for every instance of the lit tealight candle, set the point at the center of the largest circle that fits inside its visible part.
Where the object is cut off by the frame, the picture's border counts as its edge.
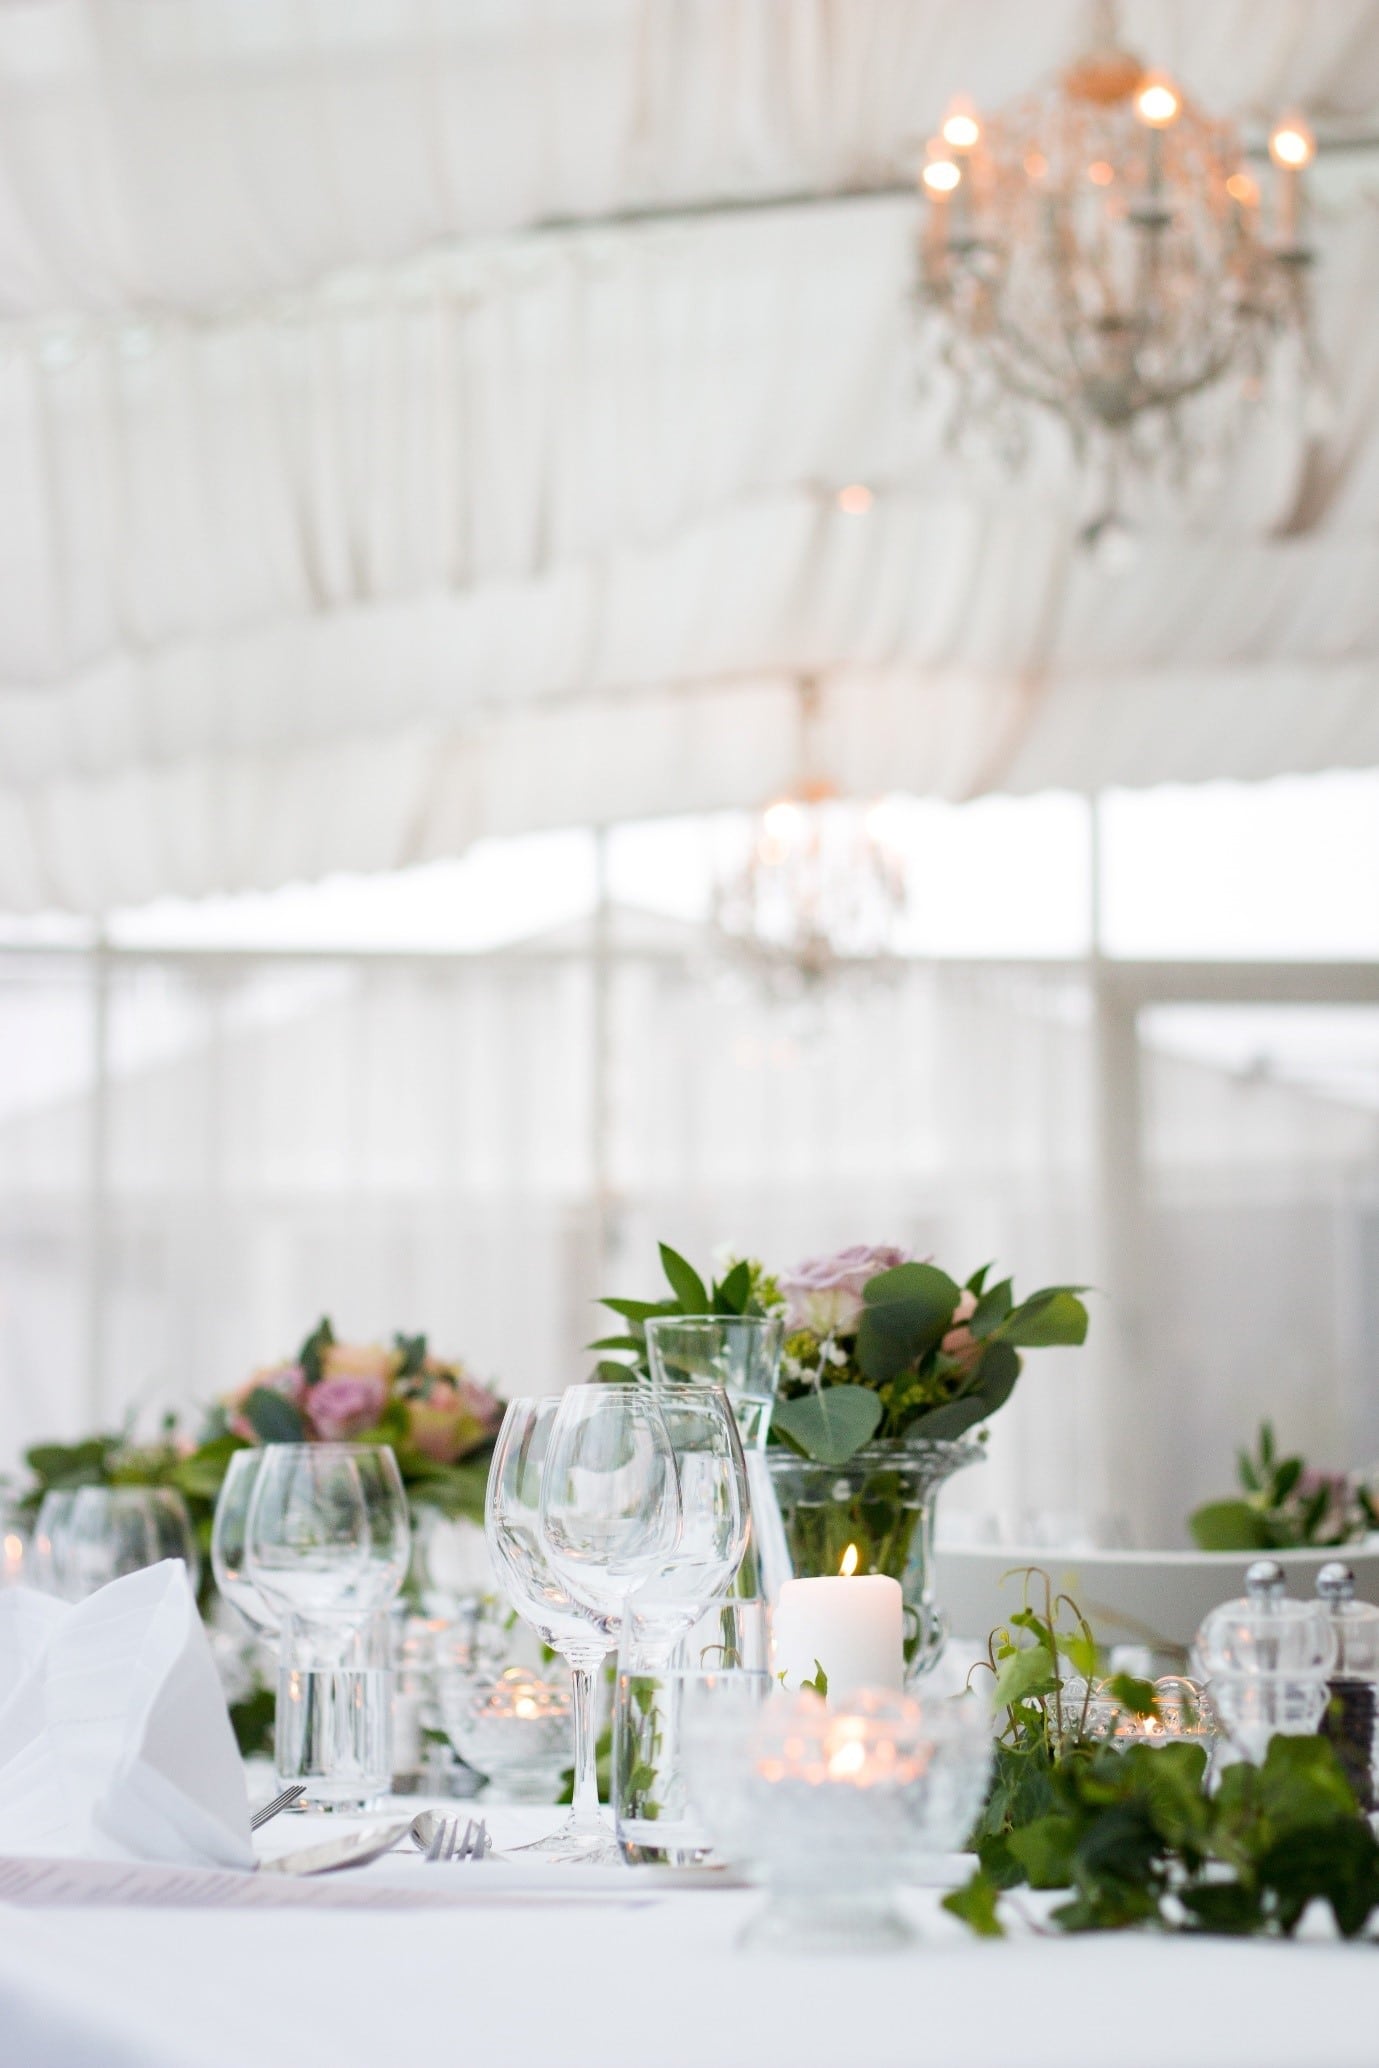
(853, 1626)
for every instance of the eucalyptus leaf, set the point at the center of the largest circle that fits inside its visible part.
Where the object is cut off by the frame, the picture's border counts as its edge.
(1054, 1316)
(830, 1426)
(272, 1417)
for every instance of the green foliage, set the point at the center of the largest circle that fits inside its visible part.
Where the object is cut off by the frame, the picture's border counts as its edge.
(895, 1354)
(252, 1720)
(1132, 1831)
(830, 1426)
(819, 1684)
(1283, 1505)
(745, 1289)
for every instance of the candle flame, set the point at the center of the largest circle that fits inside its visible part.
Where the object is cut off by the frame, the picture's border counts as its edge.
(849, 1564)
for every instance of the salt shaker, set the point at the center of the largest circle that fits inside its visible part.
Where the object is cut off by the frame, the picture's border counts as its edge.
(1353, 1710)
(1267, 1661)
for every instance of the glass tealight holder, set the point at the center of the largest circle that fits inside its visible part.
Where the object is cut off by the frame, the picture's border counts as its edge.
(514, 1729)
(839, 1804)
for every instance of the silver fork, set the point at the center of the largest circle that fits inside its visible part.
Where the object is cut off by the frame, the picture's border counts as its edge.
(279, 1802)
(447, 1843)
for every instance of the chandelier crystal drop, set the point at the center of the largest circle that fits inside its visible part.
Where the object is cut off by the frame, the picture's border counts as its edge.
(1096, 252)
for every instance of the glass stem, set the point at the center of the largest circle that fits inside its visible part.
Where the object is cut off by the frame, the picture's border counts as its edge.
(584, 1813)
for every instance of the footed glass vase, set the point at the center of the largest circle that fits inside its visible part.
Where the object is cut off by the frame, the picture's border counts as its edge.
(882, 1502)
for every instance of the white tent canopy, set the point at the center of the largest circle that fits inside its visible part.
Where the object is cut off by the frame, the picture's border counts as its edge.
(353, 507)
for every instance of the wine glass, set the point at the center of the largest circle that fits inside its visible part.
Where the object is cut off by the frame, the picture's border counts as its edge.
(714, 1520)
(327, 1535)
(113, 1530)
(610, 1505)
(48, 1545)
(228, 1556)
(583, 1637)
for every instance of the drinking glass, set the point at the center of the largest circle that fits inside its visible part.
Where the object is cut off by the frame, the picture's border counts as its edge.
(740, 1353)
(678, 1725)
(333, 1727)
(582, 1636)
(228, 1541)
(610, 1507)
(703, 1562)
(112, 1530)
(327, 1537)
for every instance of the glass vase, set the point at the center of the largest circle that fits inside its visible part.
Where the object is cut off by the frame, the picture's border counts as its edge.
(881, 1501)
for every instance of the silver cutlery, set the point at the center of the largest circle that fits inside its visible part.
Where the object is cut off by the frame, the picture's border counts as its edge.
(279, 1802)
(440, 1838)
(355, 1851)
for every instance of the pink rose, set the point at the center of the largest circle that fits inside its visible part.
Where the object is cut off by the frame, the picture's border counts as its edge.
(824, 1294)
(453, 1417)
(343, 1405)
(960, 1341)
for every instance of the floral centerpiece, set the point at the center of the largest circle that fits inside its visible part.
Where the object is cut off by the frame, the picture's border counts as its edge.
(1285, 1503)
(440, 1421)
(888, 1369)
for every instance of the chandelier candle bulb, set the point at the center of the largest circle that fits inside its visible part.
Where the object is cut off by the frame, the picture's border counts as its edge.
(1292, 148)
(852, 1626)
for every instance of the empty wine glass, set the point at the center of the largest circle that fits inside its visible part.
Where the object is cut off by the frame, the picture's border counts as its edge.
(610, 1507)
(703, 1561)
(583, 1637)
(327, 1536)
(48, 1545)
(228, 1530)
(112, 1530)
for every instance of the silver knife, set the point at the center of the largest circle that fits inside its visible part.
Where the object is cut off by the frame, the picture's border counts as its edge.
(355, 1851)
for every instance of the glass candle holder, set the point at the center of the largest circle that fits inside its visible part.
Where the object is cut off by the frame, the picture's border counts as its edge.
(514, 1729)
(839, 1803)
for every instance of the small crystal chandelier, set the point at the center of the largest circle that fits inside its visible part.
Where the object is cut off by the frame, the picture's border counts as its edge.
(1095, 251)
(822, 889)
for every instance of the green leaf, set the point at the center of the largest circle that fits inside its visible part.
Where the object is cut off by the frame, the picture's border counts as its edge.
(1025, 1673)
(1136, 1695)
(907, 1311)
(995, 1382)
(1230, 1526)
(608, 1372)
(832, 1425)
(640, 1310)
(992, 1309)
(1045, 1849)
(1266, 1444)
(976, 1283)
(1083, 1654)
(273, 1418)
(1286, 1477)
(732, 1295)
(975, 1903)
(1055, 1315)
(819, 1684)
(685, 1282)
(633, 1343)
(311, 1354)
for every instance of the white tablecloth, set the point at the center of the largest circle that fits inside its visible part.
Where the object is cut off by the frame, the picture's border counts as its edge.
(658, 1984)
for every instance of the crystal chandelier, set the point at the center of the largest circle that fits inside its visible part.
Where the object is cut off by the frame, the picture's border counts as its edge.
(822, 889)
(1096, 251)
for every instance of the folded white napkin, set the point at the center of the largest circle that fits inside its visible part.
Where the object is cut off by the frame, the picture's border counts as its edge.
(115, 1742)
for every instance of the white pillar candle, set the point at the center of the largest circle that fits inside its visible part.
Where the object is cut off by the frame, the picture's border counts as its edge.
(853, 1628)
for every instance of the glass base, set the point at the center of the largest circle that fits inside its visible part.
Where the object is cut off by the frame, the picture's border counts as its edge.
(815, 1922)
(574, 1845)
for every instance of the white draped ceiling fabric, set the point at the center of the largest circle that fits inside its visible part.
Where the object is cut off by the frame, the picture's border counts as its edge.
(384, 461)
